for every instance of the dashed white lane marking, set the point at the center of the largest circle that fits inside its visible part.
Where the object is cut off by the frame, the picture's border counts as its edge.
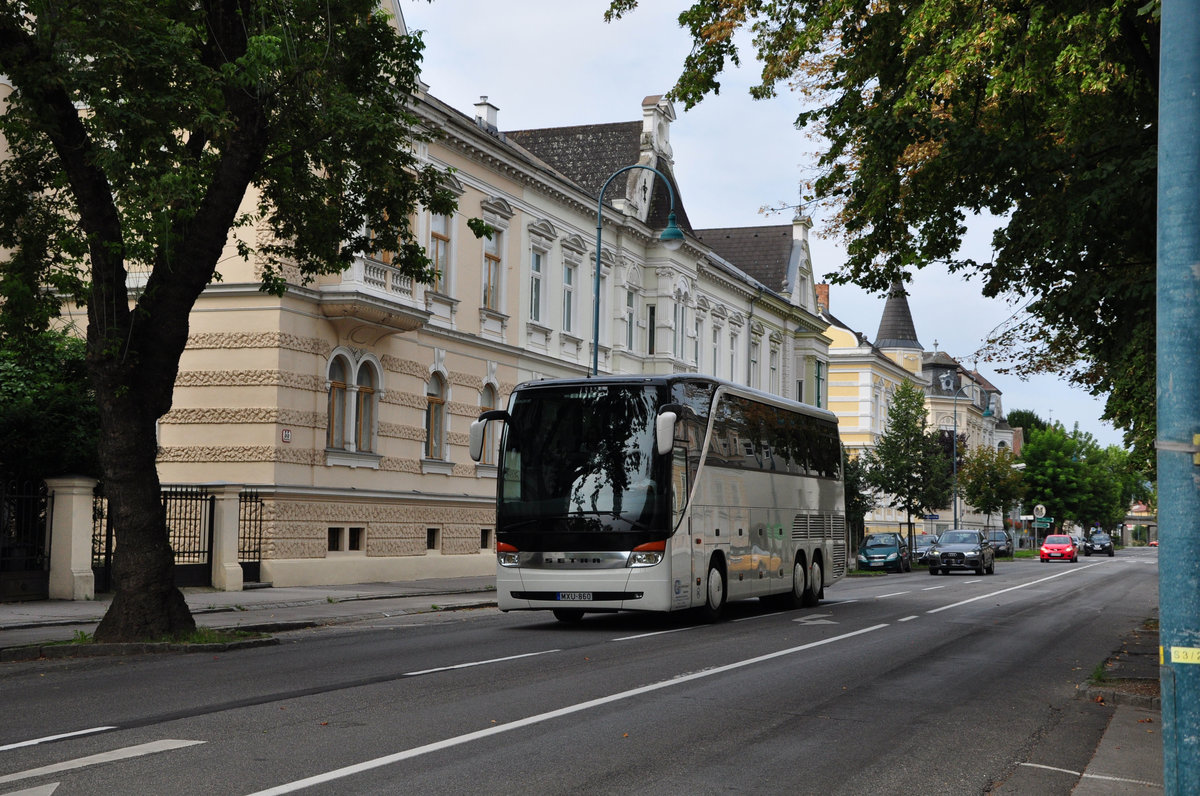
(367, 765)
(891, 594)
(104, 757)
(49, 738)
(478, 663)
(907, 619)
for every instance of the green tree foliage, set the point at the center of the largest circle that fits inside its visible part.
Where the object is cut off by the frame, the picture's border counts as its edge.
(48, 417)
(1026, 419)
(186, 107)
(1043, 114)
(1077, 480)
(859, 498)
(988, 481)
(908, 468)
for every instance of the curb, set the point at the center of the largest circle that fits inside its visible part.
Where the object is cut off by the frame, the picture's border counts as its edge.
(1113, 696)
(60, 651)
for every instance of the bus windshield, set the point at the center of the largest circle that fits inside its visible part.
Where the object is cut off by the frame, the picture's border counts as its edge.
(582, 456)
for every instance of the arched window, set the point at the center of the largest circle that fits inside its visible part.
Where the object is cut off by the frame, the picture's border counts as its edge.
(339, 367)
(487, 402)
(364, 404)
(435, 417)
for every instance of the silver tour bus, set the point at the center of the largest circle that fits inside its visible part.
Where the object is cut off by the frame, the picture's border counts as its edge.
(664, 493)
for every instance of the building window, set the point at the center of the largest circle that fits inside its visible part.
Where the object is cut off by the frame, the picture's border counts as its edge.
(677, 332)
(630, 319)
(353, 404)
(491, 272)
(354, 538)
(716, 351)
(535, 287)
(773, 384)
(435, 417)
(336, 433)
(820, 383)
(755, 373)
(487, 402)
(650, 323)
(568, 308)
(432, 540)
(800, 390)
(733, 347)
(485, 538)
(698, 342)
(439, 252)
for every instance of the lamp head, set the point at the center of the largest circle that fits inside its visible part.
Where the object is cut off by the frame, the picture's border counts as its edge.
(671, 237)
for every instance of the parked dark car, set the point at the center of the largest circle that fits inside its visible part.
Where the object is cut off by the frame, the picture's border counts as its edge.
(1002, 543)
(1099, 542)
(886, 551)
(962, 549)
(921, 544)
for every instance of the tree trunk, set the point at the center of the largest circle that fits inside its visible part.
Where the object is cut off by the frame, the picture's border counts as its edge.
(146, 604)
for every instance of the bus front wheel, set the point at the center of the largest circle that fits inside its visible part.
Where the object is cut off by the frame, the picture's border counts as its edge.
(714, 601)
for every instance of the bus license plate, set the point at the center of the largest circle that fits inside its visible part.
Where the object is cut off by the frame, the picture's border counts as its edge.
(574, 595)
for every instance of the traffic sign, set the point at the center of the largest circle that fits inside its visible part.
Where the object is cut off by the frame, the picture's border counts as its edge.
(1044, 522)
(931, 516)
(1039, 511)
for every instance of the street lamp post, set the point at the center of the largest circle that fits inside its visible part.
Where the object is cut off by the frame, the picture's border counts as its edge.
(671, 237)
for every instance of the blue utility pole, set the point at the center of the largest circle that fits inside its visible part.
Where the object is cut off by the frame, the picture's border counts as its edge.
(1178, 386)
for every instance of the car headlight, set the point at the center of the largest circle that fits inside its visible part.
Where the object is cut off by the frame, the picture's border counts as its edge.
(892, 556)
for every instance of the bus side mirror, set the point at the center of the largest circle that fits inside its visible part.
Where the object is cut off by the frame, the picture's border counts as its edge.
(665, 433)
(476, 433)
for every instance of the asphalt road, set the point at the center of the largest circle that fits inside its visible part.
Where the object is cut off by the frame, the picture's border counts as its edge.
(906, 684)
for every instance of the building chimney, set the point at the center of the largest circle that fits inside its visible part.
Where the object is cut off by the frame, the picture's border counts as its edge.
(486, 113)
(822, 298)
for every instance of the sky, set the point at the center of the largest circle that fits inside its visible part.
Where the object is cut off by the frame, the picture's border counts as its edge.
(556, 63)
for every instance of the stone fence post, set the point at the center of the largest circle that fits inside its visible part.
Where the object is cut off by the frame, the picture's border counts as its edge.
(226, 571)
(71, 575)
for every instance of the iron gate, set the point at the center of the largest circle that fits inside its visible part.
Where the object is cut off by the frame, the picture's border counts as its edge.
(189, 513)
(250, 523)
(24, 542)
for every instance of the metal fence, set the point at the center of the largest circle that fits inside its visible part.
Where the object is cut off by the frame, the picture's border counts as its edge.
(190, 518)
(24, 541)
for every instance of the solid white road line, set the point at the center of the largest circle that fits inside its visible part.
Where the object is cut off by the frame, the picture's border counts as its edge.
(50, 738)
(104, 757)
(1071, 571)
(407, 754)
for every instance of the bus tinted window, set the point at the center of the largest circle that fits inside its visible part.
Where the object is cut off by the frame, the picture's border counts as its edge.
(752, 435)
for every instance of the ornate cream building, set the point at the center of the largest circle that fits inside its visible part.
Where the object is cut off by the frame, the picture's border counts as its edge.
(345, 404)
(864, 376)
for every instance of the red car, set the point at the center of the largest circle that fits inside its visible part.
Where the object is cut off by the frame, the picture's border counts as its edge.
(1154, 543)
(1059, 547)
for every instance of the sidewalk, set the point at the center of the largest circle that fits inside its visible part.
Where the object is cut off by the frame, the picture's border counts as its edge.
(1127, 760)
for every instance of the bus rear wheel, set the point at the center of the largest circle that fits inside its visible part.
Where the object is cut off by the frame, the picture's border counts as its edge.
(714, 600)
(814, 585)
(568, 615)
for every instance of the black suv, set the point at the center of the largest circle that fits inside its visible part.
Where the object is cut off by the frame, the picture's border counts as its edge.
(1099, 542)
(962, 549)
(1002, 543)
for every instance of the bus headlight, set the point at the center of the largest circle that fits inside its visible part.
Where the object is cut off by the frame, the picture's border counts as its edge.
(507, 555)
(647, 555)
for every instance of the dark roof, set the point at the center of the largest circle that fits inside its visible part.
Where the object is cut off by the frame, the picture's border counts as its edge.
(896, 328)
(590, 154)
(762, 252)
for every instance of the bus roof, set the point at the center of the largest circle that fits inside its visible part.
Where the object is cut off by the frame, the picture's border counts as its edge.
(723, 385)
